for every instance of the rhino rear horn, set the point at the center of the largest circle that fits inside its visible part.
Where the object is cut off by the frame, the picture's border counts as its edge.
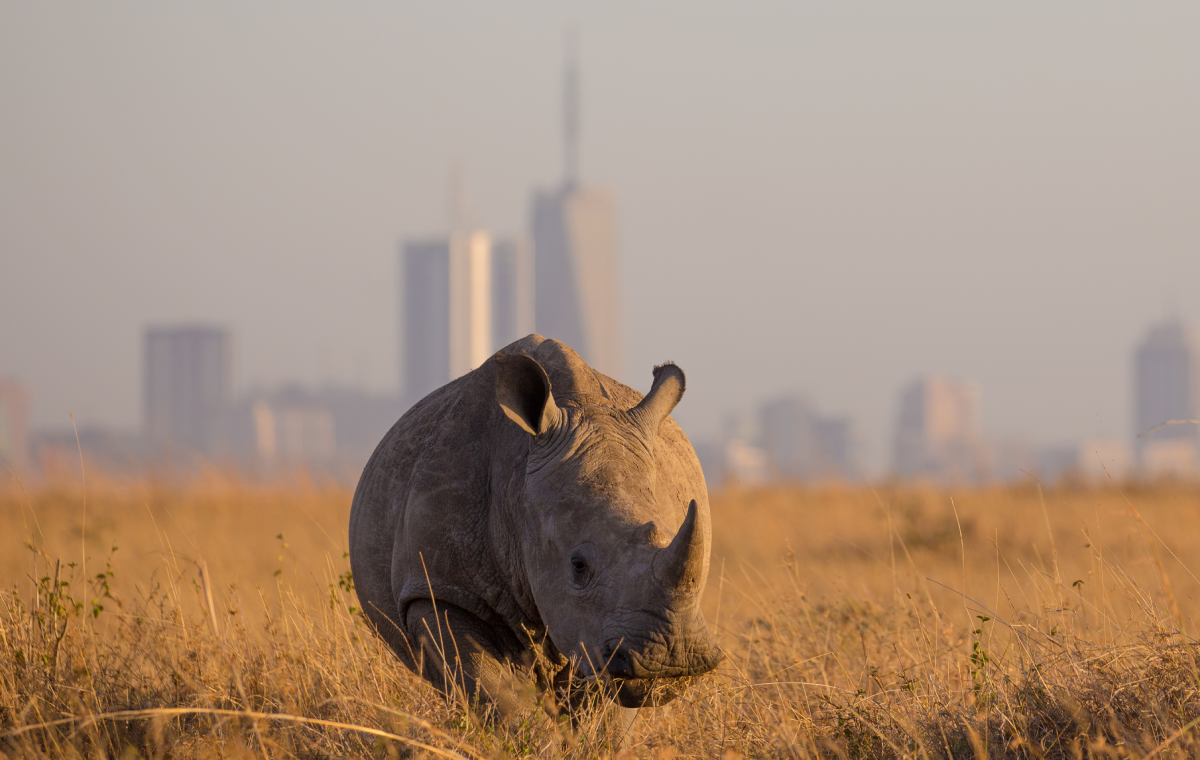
(523, 391)
(681, 565)
(665, 393)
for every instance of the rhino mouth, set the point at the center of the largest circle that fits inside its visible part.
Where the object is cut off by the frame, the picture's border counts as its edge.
(649, 692)
(638, 683)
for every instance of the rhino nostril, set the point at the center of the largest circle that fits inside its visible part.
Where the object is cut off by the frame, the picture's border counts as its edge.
(616, 662)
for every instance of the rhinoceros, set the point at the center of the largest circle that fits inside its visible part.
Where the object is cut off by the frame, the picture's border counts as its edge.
(535, 516)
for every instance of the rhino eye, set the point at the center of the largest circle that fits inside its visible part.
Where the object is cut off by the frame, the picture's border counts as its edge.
(581, 570)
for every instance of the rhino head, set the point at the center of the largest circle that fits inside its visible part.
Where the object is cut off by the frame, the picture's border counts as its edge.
(616, 574)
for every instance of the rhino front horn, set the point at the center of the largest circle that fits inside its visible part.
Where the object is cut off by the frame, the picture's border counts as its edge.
(665, 393)
(681, 567)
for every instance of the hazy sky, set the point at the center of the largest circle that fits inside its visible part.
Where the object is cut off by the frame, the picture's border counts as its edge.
(831, 198)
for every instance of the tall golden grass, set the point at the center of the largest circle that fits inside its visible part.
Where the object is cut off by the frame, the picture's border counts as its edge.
(215, 617)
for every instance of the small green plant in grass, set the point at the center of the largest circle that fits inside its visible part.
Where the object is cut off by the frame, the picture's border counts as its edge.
(101, 585)
(345, 583)
(980, 659)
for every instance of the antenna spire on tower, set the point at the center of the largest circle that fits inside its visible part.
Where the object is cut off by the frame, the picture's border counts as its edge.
(458, 204)
(571, 113)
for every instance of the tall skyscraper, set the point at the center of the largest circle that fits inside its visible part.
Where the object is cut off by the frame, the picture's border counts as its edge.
(512, 290)
(447, 310)
(188, 387)
(938, 431)
(1167, 379)
(1167, 376)
(577, 280)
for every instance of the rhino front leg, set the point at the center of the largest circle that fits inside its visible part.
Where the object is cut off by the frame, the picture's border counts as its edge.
(598, 720)
(615, 725)
(457, 654)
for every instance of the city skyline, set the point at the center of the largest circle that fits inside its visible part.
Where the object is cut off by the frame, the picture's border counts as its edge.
(817, 200)
(190, 410)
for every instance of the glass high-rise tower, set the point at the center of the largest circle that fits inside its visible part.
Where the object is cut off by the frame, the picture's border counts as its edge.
(577, 272)
(1167, 380)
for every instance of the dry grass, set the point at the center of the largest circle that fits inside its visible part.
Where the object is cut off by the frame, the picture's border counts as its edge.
(911, 622)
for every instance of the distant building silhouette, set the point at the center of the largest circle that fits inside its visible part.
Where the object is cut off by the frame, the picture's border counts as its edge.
(332, 429)
(787, 440)
(512, 290)
(938, 432)
(1167, 380)
(293, 430)
(110, 450)
(577, 277)
(188, 387)
(803, 445)
(14, 426)
(447, 310)
(361, 419)
(745, 464)
(1170, 458)
(1091, 461)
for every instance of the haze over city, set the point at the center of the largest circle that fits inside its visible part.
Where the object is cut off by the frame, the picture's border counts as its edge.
(585, 380)
(831, 200)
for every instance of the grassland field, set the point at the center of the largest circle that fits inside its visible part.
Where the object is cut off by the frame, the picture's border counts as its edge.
(208, 616)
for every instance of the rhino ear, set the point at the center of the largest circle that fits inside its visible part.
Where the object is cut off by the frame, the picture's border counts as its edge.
(523, 391)
(665, 393)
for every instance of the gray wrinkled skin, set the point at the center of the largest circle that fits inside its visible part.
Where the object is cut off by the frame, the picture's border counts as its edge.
(560, 532)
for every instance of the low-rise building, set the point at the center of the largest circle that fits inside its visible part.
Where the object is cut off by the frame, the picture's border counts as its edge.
(802, 444)
(1096, 460)
(938, 434)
